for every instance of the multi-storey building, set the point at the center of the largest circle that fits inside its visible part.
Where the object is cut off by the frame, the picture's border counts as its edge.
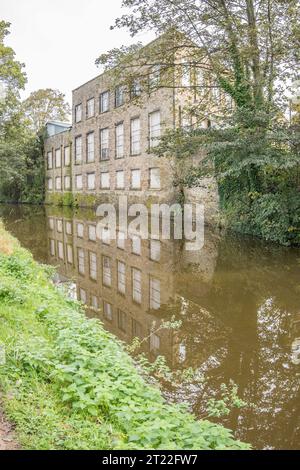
(108, 150)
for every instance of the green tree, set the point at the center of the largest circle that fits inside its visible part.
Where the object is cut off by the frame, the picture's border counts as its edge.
(45, 105)
(250, 50)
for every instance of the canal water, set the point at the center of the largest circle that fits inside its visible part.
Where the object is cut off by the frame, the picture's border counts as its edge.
(237, 300)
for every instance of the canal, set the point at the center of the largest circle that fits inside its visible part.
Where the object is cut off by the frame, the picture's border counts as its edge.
(237, 302)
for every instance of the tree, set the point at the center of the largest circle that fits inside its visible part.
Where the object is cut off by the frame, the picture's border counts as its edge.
(12, 80)
(46, 105)
(250, 50)
(247, 43)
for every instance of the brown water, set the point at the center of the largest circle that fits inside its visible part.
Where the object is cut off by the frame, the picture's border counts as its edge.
(238, 300)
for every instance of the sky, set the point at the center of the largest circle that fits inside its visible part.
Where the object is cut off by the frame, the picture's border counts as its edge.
(59, 40)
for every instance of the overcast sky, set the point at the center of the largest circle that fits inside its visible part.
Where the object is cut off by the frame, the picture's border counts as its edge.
(59, 40)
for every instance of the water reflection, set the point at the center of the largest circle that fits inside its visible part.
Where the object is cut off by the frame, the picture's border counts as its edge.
(238, 301)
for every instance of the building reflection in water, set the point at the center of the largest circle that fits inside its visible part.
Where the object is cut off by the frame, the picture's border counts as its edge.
(239, 311)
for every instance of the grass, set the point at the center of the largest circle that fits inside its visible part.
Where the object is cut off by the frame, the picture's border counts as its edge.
(68, 384)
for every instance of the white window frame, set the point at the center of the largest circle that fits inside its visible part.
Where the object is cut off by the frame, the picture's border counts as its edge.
(105, 184)
(91, 181)
(119, 133)
(154, 128)
(90, 108)
(104, 143)
(67, 182)
(93, 265)
(81, 261)
(135, 136)
(50, 184)
(50, 160)
(79, 178)
(58, 158)
(121, 276)
(58, 186)
(78, 149)
(137, 285)
(104, 102)
(78, 112)
(135, 184)
(120, 179)
(154, 178)
(155, 293)
(67, 156)
(106, 271)
(90, 147)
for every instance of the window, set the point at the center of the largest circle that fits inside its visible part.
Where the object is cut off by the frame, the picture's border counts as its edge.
(137, 285)
(58, 183)
(90, 145)
(60, 248)
(52, 247)
(107, 311)
(80, 257)
(104, 180)
(57, 158)
(78, 113)
(106, 271)
(105, 235)
(154, 128)
(137, 331)
(136, 88)
(51, 223)
(49, 161)
(67, 159)
(91, 183)
(93, 265)
(154, 77)
(82, 294)
(135, 136)
(121, 277)
(67, 182)
(94, 302)
(90, 108)
(136, 244)
(92, 233)
(80, 230)
(122, 320)
(186, 75)
(79, 183)
(155, 250)
(154, 293)
(120, 179)
(78, 149)
(154, 178)
(120, 140)
(50, 184)
(121, 240)
(68, 228)
(135, 179)
(59, 225)
(70, 254)
(104, 102)
(104, 144)
(154, 342)
(119, 96)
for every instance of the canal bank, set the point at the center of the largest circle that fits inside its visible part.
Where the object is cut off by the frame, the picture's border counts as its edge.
(68, 384)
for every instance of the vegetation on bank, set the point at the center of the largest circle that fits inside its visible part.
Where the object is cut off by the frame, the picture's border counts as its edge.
(68, 384)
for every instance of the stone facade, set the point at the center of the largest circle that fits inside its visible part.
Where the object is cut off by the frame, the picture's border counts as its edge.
(110, 146)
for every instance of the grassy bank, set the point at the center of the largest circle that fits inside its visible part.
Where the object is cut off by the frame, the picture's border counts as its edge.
(68, 384)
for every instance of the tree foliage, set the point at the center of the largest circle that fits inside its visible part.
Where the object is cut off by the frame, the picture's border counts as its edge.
(250, 49)
(21, 129)
(44, 105)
